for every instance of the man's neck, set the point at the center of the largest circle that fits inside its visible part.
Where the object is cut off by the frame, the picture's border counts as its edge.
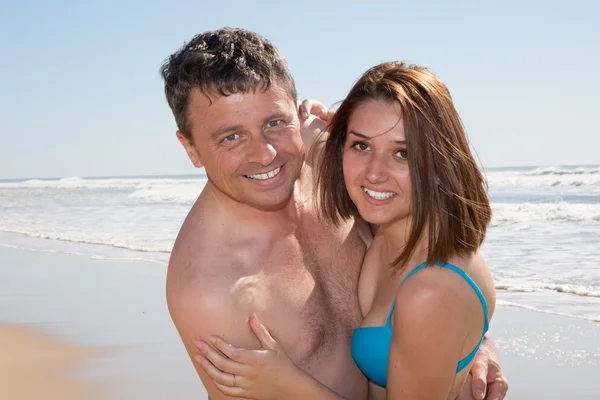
(287, 215)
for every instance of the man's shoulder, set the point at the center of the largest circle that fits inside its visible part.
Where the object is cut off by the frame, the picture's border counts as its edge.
(200, 228)
(194, 266)
(199, 298)
(196, 288)
(190, 277)
(197, 266)
(201, 306)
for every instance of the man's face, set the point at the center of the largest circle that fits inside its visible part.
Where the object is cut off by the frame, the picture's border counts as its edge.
(249, 145)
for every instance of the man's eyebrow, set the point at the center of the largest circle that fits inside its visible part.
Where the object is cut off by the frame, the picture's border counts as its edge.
(220, 132)
(365, 137)
(277, 115)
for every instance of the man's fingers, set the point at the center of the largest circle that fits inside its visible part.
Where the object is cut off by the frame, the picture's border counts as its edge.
(498, 389)
(479, 380)
(262, 334)
(466, 391)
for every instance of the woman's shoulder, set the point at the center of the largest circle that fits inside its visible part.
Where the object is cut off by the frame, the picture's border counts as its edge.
(438, 290)
(475, 267)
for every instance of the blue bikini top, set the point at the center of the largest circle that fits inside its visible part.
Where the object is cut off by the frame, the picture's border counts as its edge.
(371, 344)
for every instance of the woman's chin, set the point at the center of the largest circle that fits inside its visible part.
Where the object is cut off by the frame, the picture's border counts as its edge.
(375, 219)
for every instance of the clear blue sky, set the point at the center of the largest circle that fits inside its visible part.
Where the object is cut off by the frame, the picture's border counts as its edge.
(80, 92)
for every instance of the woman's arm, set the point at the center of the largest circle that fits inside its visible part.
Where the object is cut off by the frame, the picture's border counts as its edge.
(258, 374)
(436, 318)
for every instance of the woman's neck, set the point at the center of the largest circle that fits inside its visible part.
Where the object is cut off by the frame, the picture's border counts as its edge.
(395, 237)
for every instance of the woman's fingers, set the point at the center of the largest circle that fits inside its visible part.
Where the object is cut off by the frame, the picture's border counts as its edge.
(233, 391)
(316, 108)
(325, 114)
(262, 334)
(220, 361)
(305, 108)
(215, 373)
(230, 385)
(236, 354)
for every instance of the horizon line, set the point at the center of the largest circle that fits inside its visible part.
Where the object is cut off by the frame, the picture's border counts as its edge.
(202, 173)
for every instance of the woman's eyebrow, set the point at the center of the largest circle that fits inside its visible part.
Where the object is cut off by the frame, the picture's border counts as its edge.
(365, 137)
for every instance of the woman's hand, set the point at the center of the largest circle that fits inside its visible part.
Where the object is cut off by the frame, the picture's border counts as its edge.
(314, 120)
(316, 108)
(261, 374)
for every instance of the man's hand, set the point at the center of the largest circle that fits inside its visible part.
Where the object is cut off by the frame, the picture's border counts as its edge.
(486, 374)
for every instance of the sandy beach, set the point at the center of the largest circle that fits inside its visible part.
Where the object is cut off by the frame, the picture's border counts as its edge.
(34, 366)
(73, 327)
(104, 326)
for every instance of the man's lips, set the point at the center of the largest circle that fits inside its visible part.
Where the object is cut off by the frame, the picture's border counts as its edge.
(265, 175)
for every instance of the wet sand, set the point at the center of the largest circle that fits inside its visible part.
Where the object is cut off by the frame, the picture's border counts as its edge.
(72, 327)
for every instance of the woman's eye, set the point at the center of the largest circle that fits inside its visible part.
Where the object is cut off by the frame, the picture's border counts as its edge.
(403, 154)
(361, 146)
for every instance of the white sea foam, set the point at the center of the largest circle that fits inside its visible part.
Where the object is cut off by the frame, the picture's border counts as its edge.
(123, 242)
(182, 194)
(571, 180)
(541, 171)
(504, 303)
(510, 213)
(108, 183)
(534, 286)
(90, 255)
(544, 240)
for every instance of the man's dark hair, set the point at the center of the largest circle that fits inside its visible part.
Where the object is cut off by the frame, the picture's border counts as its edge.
(222, 62)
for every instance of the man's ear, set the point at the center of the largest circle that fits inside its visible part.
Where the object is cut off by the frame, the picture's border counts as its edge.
(189, 149)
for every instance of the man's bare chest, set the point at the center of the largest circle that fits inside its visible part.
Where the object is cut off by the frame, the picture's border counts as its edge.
(306, 293)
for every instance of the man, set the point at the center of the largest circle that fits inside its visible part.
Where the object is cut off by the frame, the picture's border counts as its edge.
(253, 242)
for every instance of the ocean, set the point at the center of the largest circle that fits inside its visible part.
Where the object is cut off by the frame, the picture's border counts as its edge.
(543, 245)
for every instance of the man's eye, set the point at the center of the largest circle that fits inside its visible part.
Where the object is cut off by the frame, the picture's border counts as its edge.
(231, 138)
(273, 124)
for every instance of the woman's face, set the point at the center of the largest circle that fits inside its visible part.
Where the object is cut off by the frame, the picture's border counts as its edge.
(375, 163)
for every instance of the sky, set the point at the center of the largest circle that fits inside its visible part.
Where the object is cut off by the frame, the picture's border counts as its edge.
(81, 94)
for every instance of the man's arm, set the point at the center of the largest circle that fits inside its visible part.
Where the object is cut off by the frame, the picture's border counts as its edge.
(486, 375)
(199, 310)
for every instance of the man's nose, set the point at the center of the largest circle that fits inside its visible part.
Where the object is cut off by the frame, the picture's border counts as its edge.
(261, 151)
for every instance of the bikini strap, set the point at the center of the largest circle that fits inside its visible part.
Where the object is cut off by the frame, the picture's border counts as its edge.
(466, 277)
(411, 273)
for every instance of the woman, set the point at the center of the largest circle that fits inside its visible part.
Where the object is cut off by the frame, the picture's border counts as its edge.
(398, 157)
